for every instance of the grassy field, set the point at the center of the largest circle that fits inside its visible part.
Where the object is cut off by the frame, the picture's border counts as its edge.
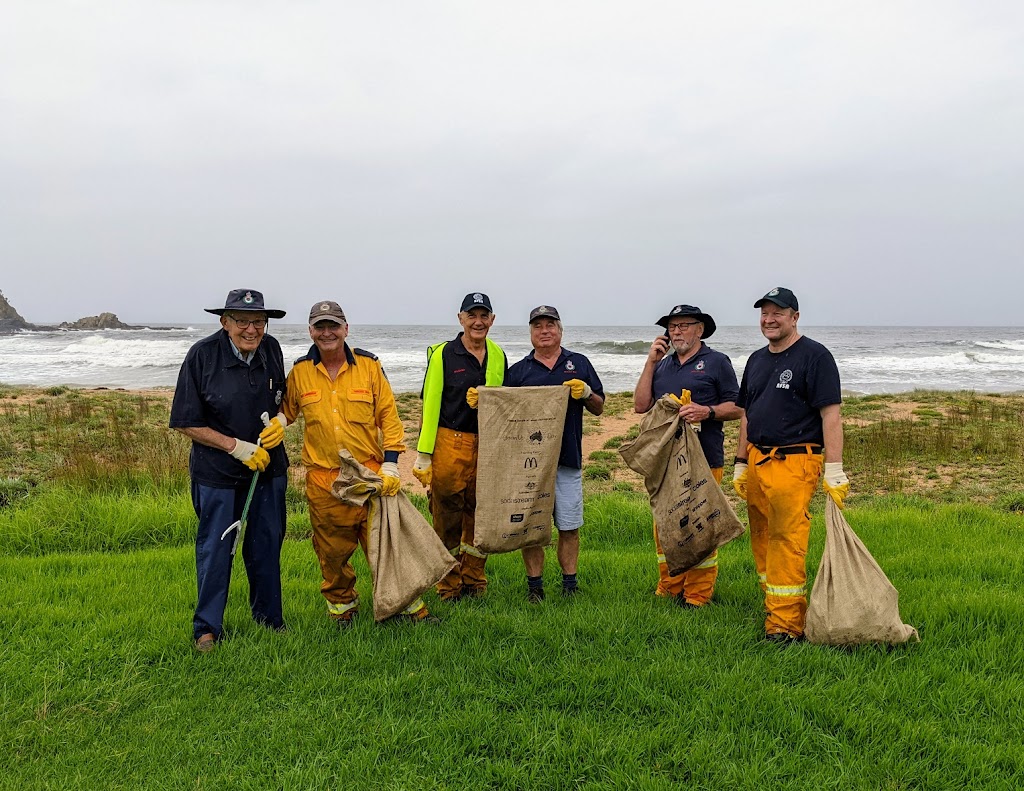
(615, 689)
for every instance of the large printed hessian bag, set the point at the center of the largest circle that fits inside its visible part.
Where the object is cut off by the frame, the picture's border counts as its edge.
(693, 515)
(852, 600)
(520, 440)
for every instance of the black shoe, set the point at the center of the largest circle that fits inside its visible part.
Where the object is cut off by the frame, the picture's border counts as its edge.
(343, 624)
(470, 592)
(535, 595)
(682, 602)
(781, 639)
(570, 592)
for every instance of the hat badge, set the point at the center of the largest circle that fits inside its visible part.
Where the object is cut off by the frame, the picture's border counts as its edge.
(478, 297)
(324, 307)
(543, 309)
(247, 299)
(773, 293)
(677, 309)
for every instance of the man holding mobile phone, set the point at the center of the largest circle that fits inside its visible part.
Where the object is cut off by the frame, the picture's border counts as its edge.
(711, 380)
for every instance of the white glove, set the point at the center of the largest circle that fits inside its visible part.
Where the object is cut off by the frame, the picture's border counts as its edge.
(422, 468)
(251, 455)
(389, 469)
(834, 475)
(739, 479)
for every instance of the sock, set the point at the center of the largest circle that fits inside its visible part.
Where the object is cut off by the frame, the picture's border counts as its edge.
(535, 583)
(569, 581)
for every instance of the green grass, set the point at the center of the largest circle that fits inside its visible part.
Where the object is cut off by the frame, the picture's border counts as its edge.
(616, 689)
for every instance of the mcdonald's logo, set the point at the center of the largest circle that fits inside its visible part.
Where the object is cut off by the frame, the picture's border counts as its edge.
(530, 463)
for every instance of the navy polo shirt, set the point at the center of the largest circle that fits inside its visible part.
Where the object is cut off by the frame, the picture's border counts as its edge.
(783, 394)
(531, 372)
(217, 390)
(711, 380)
(461, 371)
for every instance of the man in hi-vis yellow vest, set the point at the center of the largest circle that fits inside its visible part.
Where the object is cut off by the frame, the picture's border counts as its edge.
(448, 442)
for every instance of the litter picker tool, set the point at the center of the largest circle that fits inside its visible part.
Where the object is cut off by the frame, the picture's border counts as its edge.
(237, 526)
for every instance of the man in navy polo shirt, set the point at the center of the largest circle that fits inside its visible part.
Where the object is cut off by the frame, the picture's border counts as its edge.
(550, 364)
(711, 380)
(228, 380)
(791, 396)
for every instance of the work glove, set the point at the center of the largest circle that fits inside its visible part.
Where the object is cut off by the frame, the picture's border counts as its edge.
(682, 399)
(473, 397)
(423, 468)
(739, 479)
(578, 389)
(389, 475)
(251, 455)
(273, 434)
(835, 482)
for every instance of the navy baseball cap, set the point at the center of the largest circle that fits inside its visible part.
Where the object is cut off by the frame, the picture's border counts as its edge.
(476, 300)
(544, 312)
(782, 297)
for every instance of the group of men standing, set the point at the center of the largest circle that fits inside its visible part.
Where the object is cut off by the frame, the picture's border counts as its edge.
(232, 382)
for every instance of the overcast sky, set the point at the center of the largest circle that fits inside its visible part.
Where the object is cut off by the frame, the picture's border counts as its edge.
(610, 158)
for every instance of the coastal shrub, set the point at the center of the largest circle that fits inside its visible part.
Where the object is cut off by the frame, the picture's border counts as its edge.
(603, 455)
(13, 489)
(597, 472)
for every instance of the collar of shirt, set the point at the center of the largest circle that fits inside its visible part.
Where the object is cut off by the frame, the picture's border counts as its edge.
(314, 355)
(562, 355)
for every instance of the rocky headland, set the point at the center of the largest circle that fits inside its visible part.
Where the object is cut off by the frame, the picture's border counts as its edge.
(11, 321)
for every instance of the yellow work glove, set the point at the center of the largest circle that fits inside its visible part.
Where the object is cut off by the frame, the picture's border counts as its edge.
(273, 434)
(392, 484)
(682, 399)
(251, 455)
(739, 479)
(473, 397)
(835, 482)
(578, 389)
(422, 470)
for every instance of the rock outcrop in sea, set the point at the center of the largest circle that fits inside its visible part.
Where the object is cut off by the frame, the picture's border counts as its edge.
(11, 321)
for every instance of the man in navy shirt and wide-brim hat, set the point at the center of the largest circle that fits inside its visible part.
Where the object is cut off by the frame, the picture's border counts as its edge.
(709, 376)
(227, 381)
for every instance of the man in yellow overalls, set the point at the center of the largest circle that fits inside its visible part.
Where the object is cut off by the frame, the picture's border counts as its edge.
(448, 443)
(791, 396)
(345, 398)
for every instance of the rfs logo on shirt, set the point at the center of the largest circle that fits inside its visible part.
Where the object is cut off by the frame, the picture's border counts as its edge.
(569, 366)
(784, 379)
(699, 366)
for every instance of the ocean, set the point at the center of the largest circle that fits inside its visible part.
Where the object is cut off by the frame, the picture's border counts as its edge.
(870, 359)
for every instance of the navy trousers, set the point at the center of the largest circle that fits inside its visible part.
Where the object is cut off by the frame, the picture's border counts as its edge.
(260, 546)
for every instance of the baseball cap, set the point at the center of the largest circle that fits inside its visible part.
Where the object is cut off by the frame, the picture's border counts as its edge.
(782, 297)
(326, 310)
(476, 300)
(544, 312)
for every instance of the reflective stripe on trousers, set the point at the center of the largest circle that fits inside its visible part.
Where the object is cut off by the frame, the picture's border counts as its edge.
(779, 491)
(697, 584)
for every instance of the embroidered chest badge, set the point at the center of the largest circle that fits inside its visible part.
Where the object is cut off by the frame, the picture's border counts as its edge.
(569, 366)
(699, 366)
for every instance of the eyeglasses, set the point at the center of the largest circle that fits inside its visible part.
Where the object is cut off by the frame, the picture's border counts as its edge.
(682, 325)
(244, 324)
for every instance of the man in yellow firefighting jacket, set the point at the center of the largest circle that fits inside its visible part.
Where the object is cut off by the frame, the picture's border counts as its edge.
(448, 443)
(344, 398)
(791, 395)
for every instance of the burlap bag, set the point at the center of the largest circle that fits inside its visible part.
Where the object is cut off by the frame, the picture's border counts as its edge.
(520, 439)
(852, 600)
(693, 515)
(405, 555)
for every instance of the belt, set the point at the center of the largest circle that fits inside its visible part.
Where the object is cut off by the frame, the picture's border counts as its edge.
(781, 453)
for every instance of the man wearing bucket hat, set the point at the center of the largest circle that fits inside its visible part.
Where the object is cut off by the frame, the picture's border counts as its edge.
(448, 442)
(791, 396)
(709, 377)
(550, 364)
(345, 400)
(227, 381)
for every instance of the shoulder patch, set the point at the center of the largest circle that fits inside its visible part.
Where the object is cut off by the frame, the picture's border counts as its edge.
(364, 353)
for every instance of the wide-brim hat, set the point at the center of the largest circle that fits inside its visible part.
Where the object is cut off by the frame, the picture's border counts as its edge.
(246, 300)
(690, 310)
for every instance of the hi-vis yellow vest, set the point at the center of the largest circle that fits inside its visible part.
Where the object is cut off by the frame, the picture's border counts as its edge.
(433, 385)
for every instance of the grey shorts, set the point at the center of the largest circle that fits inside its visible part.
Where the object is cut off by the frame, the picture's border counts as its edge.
(569, 499)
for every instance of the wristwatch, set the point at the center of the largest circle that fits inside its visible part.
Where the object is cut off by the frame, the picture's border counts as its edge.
(711, 413)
